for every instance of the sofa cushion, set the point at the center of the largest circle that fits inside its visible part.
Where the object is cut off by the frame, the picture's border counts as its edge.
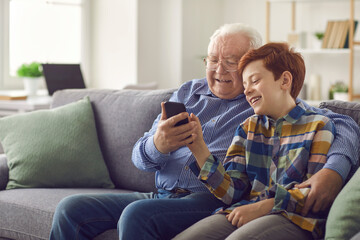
(28, 213)
(121, 117)
(54, 148)
(344, 216)
(351, 109)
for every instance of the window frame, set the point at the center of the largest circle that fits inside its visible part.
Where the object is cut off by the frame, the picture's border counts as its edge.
(8, 82)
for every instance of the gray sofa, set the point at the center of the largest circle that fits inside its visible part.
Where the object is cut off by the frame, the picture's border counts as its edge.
(122, 116)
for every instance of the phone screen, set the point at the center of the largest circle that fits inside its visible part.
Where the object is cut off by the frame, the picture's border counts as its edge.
(174, 108)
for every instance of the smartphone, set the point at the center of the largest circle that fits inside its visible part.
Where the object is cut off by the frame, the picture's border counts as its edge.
(174, 108)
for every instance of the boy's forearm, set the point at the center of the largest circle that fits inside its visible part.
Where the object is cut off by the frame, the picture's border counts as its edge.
(266, 205)
(201, 153)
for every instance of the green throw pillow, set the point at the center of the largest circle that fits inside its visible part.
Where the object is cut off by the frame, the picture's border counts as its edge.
(344, 217)
(54, 148)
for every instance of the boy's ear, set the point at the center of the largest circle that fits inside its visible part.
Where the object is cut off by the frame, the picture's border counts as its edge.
(286, 80)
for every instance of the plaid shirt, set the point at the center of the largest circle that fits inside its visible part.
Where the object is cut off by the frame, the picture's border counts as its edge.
(266, 158)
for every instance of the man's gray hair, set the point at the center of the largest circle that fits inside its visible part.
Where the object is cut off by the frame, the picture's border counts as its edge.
(237, 28)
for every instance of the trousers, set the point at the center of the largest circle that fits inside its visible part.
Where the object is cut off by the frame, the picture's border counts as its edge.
(135, 215)
(217, 227)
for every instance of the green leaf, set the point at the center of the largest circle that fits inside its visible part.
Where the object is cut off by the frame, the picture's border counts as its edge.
(33, 69)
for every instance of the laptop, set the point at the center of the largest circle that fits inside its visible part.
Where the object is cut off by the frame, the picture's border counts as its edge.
(62, 76)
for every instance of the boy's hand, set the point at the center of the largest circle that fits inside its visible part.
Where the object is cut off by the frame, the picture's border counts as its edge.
(197, 135)
(198, 146)
(246, 213)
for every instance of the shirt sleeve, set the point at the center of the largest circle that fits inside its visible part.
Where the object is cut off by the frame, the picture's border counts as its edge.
(145, 155)
(227, 182)
(343, 154)
(293, 199)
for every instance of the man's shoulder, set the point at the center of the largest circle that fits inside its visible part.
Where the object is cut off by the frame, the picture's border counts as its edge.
(194, 84)
(190, 88)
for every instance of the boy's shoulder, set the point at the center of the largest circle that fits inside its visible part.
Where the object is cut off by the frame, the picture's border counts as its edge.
(313, 115)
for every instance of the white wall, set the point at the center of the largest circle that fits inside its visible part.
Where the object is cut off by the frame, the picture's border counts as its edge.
(114, 43)
(200, 19)
(159, 42)
(141, 41)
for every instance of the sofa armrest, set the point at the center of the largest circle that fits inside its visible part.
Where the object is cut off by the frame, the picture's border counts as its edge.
(4, 172)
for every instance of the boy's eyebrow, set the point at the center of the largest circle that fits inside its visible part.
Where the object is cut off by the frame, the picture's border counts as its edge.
(253, 74)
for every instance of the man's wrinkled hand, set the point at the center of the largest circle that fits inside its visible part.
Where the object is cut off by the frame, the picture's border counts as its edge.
(169, 138)
(324, 187)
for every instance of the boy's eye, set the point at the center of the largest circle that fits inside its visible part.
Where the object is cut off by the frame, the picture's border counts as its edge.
(255, 80)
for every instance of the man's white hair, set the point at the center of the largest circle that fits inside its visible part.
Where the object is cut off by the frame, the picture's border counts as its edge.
(254, 36)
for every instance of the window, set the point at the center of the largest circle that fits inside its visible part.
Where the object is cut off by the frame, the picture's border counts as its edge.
(41, 30)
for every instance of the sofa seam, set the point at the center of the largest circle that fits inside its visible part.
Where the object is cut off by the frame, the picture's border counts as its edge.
(24, 233)
(22, 206)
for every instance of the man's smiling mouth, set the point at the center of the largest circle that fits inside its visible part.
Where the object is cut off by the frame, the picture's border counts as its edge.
(223, 81)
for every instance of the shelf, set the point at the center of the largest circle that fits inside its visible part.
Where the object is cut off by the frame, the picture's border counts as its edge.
(303, 1)
(324, 51)
(352, 43)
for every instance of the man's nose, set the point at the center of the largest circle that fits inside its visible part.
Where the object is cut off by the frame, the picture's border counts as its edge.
(220, 68)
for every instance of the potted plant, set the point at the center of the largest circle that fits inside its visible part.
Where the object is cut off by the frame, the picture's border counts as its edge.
(31, 74)
(318, 39)
(339, 91)
(319, 35)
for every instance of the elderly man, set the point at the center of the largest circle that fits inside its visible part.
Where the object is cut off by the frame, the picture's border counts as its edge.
(181, 199)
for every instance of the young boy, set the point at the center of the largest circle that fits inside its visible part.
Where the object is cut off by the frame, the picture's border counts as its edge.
(280, 146)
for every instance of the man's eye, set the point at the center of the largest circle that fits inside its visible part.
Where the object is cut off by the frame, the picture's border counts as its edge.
(213, 60)
(231, 63)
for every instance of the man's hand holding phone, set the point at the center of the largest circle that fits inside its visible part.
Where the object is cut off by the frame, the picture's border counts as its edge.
(173, 129)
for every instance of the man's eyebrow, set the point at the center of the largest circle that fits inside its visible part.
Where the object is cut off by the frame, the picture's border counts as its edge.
(232, 56)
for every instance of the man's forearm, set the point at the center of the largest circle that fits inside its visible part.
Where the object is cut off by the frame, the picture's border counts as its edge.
(144, 152)
(340, 164)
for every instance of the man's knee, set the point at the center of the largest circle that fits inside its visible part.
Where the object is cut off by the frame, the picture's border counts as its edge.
(68, 207)
(135, 211)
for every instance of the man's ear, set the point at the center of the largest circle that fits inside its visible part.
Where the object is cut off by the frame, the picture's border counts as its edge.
(286, 79)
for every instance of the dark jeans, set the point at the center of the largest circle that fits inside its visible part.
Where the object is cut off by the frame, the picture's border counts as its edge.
(135, 215)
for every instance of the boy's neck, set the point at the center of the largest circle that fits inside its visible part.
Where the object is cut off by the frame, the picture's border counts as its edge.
(286, 106)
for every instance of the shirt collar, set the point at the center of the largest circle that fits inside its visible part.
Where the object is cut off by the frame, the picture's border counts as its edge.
(292, 117)
(295, 114)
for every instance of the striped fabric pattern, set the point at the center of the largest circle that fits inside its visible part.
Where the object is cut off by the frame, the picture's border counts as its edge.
(266, 158)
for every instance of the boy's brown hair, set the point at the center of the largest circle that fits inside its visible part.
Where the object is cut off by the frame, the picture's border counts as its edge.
(278, 58)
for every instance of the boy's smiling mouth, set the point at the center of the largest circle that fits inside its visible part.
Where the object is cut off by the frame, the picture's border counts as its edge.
(253, 100)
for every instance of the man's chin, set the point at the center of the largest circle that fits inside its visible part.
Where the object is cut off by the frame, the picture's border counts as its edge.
(225, 94)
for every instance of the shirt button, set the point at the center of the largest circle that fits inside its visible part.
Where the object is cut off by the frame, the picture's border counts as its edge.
(186, 168)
